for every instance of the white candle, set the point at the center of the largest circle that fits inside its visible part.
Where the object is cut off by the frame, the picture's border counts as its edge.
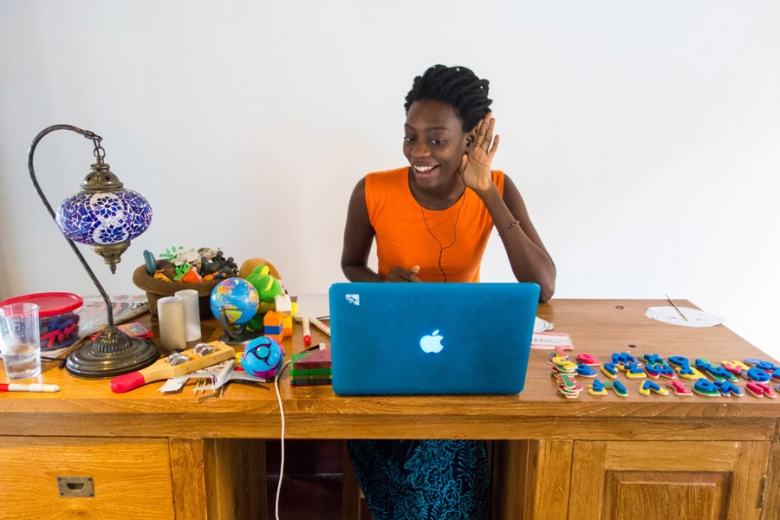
(170, 312)
(191, 313)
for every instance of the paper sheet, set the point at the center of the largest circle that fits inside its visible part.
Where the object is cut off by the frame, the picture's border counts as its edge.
(696, 318)
(551, 340)
(541, 325)
(313, 305)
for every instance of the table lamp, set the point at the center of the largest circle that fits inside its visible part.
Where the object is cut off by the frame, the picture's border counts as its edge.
(106, 216)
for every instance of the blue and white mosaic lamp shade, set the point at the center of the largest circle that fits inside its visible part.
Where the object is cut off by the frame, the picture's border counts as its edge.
(104, 217)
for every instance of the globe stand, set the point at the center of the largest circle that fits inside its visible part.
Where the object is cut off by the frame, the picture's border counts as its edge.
(233, 335)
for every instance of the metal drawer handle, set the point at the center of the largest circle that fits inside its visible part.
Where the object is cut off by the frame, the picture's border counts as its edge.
(71, 487)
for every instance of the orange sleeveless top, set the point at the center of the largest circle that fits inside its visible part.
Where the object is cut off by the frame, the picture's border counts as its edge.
(403, 240)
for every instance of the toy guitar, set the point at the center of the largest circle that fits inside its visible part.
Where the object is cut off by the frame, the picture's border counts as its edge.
(177, 364)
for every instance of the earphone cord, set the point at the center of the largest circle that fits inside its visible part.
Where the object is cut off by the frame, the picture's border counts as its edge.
(454, 233)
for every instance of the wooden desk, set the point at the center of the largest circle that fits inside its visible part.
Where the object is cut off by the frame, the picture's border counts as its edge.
(591, 458)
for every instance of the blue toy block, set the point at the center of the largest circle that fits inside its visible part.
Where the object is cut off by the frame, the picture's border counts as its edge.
(585, 371)
(679, 361)
(648, 386)
(758, 375)
(655, 359)
(728, 388)
(706, 388)
(619, 388)
(272, 330)
(635, 370)
(609, 369)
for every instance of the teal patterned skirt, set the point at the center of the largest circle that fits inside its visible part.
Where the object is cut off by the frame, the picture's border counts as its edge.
(423, 479)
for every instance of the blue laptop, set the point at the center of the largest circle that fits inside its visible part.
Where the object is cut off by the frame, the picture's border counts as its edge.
(431, 338)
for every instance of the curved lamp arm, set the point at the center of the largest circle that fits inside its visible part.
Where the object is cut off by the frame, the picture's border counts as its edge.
(99, 153)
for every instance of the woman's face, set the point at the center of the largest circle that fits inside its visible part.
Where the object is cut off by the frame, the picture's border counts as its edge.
(434, 142)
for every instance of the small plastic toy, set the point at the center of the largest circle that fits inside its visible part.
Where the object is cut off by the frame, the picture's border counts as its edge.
(737, 368)
(717, 373)
(758, 375)
(564, 370)
(760, 364)
(635, 371)
(311, 367)
(652, 386)
(268, 288)
(262, 357)
(706, 388)
(597, 388)
(679, 389)
(728, 388)
(273, 326)
(679, 361)
(654, 359)
(760, 389)
(617, 387)
(689, 372)
(610, 370)
(623, 359)
(585, 371)
(568, 381)
(588, 359)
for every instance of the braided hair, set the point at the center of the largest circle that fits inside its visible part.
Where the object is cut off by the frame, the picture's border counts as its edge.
(458, 87)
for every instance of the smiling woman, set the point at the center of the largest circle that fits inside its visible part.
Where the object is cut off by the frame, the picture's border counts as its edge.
(431, 221)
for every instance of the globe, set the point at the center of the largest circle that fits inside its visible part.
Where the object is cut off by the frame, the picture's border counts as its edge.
(239, 299)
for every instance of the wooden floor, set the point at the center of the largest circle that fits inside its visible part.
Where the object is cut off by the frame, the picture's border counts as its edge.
(312, 485)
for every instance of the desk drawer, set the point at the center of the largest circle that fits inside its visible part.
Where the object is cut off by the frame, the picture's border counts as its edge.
(130, 478)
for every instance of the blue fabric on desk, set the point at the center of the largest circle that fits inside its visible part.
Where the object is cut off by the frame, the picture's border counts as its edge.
(423, 479)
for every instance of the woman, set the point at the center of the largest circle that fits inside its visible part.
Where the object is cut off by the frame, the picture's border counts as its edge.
(431, 221)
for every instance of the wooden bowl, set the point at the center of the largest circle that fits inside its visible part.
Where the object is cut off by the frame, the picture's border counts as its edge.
(156, 289)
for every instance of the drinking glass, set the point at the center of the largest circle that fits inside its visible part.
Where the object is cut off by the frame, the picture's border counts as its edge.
(20, 340)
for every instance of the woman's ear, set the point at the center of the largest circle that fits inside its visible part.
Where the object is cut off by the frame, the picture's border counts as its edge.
(470, 137)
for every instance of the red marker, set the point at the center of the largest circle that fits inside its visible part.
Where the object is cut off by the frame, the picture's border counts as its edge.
(306, 332)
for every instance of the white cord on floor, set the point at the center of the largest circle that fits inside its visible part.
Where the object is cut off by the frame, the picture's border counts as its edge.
(281, 411)
(278, 375)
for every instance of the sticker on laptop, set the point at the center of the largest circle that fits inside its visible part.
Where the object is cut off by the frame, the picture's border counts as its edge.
(354, 299)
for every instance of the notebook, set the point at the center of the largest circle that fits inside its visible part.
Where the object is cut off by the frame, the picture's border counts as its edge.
(431, 338)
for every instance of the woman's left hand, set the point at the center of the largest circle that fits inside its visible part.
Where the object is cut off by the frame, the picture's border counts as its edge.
(475, 165)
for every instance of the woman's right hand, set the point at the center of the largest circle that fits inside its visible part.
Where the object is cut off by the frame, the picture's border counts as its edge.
(399, 274)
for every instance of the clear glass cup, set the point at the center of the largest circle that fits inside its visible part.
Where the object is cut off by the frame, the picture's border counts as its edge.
(20, 340)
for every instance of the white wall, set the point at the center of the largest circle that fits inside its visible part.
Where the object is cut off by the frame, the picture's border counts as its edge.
(643, 135)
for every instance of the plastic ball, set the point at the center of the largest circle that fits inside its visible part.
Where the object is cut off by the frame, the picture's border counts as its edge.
(262, 357)
(238, 297)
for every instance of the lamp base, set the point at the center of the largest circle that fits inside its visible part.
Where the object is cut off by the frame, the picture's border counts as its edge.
(113, 353)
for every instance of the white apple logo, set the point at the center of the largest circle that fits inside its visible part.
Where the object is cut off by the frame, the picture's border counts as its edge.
(432, 343)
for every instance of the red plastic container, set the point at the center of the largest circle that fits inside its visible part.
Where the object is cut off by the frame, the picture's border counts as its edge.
(58, 314)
